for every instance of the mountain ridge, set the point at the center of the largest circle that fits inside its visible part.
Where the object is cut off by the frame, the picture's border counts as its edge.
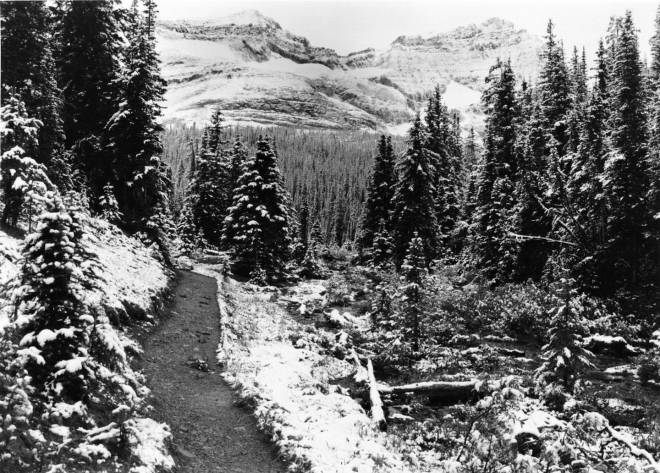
(258, 72)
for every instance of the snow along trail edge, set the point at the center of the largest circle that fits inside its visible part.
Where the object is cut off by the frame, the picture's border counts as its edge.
(211, 434)
(316, 428)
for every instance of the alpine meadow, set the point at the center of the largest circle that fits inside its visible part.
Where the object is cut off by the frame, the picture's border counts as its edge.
(231, 245)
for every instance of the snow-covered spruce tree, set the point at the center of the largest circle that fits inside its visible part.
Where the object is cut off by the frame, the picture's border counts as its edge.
(37, 190)
(133, 130)
(310, 266)
(626, 171)
(19, 139)
(544, 132)
(209, 191)
(529, 216)
(565, 357)
(411, 293)
(28, 70)
(22, 446)
(257, 225)
(303, 230)
(51, 324)
(108, 206)
(490, 246)
(237, 159)
(471, 158)
(76, 362)
(582, 216)
(187, 231)
(381, 307)
(316, 235)
(554, 90)
(301, 241)
(379, 193)
(442, 144)
(654, 146)
(413, 207)
(89, 39)
(381, 253)
(214, 139)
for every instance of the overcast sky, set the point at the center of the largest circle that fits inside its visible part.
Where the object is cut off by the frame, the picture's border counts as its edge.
(350, 25)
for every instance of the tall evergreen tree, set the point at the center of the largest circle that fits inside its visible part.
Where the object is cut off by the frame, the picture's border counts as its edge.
(303, 228)
(654, 142)
(490, 242)
(626, 169)
(530, 217)
(19, 141)
(413, 206)
(208, 192)
(584, 190)
(442, 143)
(554, 91)
(412, 292)
(379, 192)
(28, 70)
(257, 228)
(133, 131)
(90, 44)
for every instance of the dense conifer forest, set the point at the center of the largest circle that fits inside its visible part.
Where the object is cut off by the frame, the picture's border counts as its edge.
(501, 282)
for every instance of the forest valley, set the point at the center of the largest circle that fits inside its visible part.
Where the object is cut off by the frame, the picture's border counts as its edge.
(443, 303)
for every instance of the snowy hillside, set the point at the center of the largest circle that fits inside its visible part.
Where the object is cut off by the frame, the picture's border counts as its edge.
(259, 73)
(133, 280)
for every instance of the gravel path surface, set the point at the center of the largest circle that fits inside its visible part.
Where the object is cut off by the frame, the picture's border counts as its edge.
(211, 434)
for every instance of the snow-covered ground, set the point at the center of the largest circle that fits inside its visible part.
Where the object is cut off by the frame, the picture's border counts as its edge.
(134, 282)
(316, 427)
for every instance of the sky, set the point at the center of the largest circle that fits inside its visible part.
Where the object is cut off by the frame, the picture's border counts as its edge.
(351, 25)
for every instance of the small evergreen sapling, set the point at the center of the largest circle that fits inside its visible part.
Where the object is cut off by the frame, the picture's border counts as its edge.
(381, 254)
(565, 357)
(108, 205)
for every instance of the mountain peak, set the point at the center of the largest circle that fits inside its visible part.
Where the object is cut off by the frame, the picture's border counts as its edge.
(248, 18)
(243, 20)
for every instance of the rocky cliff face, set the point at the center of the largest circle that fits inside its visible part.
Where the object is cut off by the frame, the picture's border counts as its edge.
(259, 73)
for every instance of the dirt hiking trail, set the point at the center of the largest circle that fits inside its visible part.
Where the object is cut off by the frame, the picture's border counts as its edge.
(211, 434)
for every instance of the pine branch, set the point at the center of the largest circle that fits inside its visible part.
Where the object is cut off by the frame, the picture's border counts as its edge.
(519, 237)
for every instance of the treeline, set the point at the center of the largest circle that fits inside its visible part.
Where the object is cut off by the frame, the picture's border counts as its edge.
(81, 93)
(566, 187)
(325, 170)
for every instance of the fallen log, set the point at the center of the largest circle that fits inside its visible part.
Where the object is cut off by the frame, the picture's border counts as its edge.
(444, 392)
(512, 352)
(361, 375)
(377, 413)
(614, 346)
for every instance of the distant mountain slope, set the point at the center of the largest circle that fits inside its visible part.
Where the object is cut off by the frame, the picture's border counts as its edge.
(261, 74)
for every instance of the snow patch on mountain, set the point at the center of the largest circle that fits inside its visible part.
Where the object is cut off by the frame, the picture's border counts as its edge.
(460, 97)
(256, 72)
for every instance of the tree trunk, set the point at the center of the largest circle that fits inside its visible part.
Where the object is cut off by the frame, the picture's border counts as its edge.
(443, 392)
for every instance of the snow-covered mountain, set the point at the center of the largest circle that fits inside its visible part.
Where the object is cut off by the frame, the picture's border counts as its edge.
(259, 73)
